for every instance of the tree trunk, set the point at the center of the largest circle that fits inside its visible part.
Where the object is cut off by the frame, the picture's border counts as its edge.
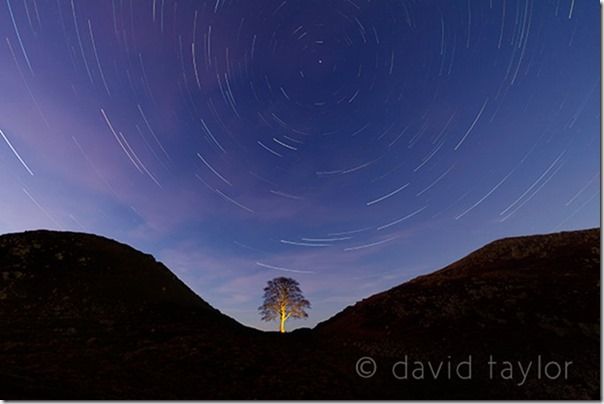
(282, 324)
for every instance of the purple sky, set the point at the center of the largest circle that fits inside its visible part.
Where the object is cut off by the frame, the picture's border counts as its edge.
(351, 145)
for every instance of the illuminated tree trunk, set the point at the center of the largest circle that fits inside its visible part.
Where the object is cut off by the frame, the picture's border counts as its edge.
(282, 318)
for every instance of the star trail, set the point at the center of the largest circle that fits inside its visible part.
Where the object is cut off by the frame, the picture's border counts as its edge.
(352, 144)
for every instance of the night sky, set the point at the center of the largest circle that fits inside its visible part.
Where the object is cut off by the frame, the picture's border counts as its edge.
(352, 144)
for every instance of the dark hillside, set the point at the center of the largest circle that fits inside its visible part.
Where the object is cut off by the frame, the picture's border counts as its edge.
(85, 317)
(515, 298)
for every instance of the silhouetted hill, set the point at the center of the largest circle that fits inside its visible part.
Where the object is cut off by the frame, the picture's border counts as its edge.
(79, 310)
(48, 274)
(85, 317)
(515, 299)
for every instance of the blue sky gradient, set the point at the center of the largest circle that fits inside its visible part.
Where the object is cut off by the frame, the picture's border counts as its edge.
(350, 144)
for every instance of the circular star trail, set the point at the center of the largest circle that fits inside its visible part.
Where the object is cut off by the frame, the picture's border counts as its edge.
(352, 144)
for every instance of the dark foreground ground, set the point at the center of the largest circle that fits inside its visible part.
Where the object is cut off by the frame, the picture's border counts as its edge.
(84, 317)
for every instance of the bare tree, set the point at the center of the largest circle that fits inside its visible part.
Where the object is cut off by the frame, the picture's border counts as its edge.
(283, 299)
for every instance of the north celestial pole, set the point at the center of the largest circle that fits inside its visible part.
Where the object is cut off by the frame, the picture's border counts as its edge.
(351, 144)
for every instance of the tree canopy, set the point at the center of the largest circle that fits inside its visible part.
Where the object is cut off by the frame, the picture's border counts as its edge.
(283, 299)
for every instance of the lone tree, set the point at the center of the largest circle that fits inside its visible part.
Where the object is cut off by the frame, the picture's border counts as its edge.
(283, 299)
